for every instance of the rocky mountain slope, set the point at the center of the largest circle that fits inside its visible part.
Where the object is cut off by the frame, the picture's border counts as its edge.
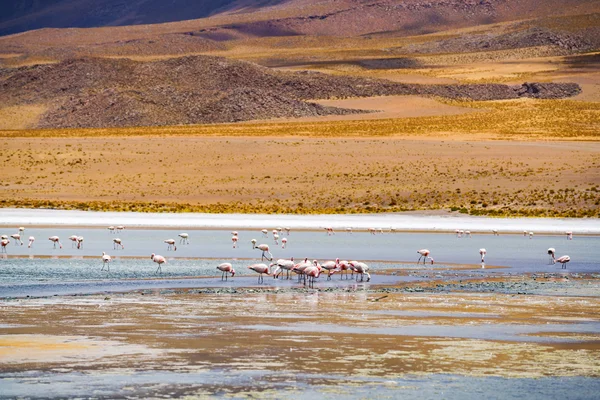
(93, 92)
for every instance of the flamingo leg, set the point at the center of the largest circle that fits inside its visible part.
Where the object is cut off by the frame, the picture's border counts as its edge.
(158, 269)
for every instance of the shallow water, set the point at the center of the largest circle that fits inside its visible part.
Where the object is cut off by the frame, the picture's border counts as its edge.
(43, 270)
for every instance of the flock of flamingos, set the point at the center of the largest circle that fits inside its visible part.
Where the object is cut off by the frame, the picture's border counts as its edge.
(305, 270)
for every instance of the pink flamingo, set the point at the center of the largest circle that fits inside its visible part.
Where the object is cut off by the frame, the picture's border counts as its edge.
(551, 253)
(80, 242)
(17, 238)
(184, 238)
(73, 239)
(171, 244)
(281, 265)
(329, 231)
(159, 260)
(283, 243)
(4, 243)
(300, 267)
(106, 259)
(362, 269)
(117, 243)
(424, 255)
(265, 249)
(312, 272)
(260, 269)
(55, 239)
(372, 231)
(563, 260)
(234, 233)
(234, 239)
(31, 240)
(331, 267)
(343, 267)
(226, 268)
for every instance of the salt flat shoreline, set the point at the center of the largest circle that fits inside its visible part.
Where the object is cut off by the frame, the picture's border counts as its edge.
(400, 222)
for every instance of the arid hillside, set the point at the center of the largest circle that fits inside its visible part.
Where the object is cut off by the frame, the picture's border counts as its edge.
(103, 93)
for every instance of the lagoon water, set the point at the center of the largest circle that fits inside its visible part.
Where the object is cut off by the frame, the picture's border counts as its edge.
(44, 270)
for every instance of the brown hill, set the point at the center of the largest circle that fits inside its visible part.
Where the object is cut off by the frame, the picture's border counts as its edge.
(202, 89)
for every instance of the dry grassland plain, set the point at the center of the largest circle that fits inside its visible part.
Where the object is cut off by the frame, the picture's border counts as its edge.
(521, 157)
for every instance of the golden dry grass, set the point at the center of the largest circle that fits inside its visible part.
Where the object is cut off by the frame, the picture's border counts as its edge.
(21, 117)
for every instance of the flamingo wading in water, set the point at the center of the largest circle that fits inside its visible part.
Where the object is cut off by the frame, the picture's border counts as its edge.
(265, 249)
(563, 260)
(424, 255)
(551, 253)
(4, 243)
(31, 240)
(226, 268)
(171, 244)
(55, 239)
(17, 238)
(106, 259)
(185, 238)
(261, 269)
(117, 243)
(159, 260)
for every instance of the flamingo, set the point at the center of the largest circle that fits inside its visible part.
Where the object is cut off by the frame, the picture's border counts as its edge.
(4, 243)
(111, 229)
(425, 255)
(283, 264)
(55, 239)
(80, 242)
(530, 235)
(287, 231)
(524, 233)
(17, 238)
(457, 232)
(372, 231)
(31, 240)
(276, 238)
(495, 232)
(275, 232)
(300, 267)
(362, 269)
(171, 244)
(260, 269)
(21, 229)
(331, 267)
(73, 239)
(117, 243)
(349, 230)
(569, 235)
(234, 233)
(460, 233)
(283, 243)
(265, 249)
(3, 237)
(343, 266)
(120, 228)
(482, 253)
(329, 231)
(106, 259)
(265, 233)
(351, 267)
(185, 238)
(234, 239)
(159, 260)
(226, 268)
(312, 272)
(563, 260)
(253, 241)
(468, 233)
(551, 253)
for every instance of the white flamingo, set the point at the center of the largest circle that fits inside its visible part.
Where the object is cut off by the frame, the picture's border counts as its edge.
(362, 269)
(265, 233)
(116, 243)
(159, 260)
(563, 260)
(55, 239)
(17, 238)
(185, 238)
(569, 235)
(31, 240)
(106, 259)
(276, 238)
(171, 244)
(283, 243)
(530, 235)
(282, 265)
(73, 239)
(80, 242)
(482, 253)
